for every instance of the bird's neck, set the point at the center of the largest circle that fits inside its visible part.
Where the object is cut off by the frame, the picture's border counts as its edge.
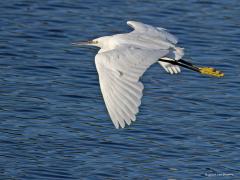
(105, 43)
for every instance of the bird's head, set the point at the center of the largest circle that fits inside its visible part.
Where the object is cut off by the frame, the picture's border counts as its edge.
(99, 42)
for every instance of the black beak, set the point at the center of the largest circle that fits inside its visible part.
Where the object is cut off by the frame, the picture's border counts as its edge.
(82, 43)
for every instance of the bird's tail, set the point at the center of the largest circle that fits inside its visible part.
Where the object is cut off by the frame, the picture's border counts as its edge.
(178, 52)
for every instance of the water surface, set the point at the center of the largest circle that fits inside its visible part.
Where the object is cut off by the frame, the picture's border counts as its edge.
(53, 121)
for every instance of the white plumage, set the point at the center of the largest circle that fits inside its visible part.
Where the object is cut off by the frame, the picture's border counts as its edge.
(122, 60)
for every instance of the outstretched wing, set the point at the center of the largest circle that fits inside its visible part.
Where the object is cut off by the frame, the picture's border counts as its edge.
(162, 34)
(119, 72)
(153, 31)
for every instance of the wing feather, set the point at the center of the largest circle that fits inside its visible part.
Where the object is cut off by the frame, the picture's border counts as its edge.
(119, 72)
(170, 68)
(153, 31)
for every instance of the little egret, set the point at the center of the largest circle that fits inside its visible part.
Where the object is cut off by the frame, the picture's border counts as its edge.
(122, 60)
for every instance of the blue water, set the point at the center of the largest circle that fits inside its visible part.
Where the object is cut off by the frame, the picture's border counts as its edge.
(53, 121)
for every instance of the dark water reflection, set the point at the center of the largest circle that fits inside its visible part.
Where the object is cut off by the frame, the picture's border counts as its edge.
(54, 123)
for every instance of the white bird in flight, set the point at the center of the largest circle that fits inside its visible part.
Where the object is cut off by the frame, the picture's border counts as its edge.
(122, 60)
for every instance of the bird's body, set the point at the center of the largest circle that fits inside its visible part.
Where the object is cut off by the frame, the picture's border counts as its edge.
(122, 60)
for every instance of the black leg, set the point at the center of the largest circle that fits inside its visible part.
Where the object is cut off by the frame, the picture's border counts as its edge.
(203, 70)
(182, 63)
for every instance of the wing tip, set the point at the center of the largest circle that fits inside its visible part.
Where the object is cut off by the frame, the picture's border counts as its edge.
(130, 23)
(119, 125)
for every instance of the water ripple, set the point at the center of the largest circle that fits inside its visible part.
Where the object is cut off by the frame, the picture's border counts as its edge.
(54, 123)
